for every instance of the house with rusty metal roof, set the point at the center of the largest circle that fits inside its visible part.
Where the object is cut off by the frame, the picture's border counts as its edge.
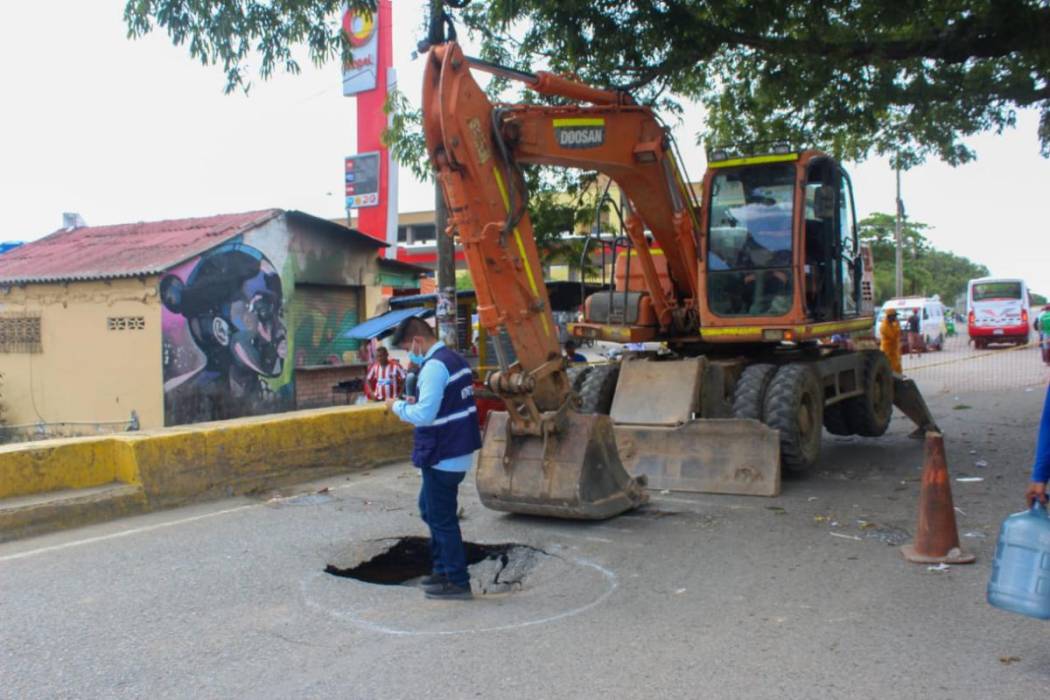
(170, 322)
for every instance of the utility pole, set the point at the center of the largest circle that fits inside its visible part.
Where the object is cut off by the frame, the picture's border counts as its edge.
(898, 235)
(446, 247)
(446, 273)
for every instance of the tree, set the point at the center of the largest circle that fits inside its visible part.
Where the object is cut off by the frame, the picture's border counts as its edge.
(907, 78)
(927, 271)
(229, 32)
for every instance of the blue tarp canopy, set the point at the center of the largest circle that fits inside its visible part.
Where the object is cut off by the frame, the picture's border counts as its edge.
(381, 326)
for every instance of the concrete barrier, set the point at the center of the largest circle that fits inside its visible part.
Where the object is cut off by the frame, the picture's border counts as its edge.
(212, 460)
(67, 463)
(175, 466)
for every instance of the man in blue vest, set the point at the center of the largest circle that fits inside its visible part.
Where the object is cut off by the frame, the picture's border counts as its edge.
(444, 442)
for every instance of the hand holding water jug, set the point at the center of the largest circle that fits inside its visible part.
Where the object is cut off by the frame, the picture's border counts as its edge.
(1021, 570)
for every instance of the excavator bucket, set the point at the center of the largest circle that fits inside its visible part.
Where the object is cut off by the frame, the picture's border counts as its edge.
(658, 438)
(575, 473)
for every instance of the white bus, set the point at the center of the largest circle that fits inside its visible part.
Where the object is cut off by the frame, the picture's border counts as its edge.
(997, 311)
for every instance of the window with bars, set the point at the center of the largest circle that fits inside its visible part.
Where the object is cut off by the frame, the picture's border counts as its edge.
(20, 333)
(126, 323)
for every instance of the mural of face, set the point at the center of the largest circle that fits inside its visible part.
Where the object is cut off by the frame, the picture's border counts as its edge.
(232, 303)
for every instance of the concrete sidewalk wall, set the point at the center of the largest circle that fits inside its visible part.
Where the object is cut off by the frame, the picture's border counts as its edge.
(68, 463)
(180, 465)
(213, 460)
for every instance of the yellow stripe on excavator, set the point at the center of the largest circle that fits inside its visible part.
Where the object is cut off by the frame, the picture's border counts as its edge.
(579, 121)
(753, 160)
(521, 246)
(831, 327)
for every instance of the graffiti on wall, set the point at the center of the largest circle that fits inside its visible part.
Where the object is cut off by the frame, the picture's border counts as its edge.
(224, 335)
(321, 317)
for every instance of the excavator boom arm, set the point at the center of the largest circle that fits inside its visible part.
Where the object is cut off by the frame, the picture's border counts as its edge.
(486, 203)
(476, 146)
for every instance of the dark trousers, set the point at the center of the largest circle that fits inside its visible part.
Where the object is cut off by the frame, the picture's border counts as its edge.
(439, 510)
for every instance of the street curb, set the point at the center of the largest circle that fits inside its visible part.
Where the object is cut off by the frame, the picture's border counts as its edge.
(188, 464)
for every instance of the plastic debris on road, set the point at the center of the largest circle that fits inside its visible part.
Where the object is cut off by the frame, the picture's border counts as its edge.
(845, 536)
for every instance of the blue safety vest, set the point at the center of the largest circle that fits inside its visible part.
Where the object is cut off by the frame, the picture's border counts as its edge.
(455, 431)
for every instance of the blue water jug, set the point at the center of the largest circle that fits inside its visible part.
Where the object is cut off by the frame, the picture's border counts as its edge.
(1021, 571)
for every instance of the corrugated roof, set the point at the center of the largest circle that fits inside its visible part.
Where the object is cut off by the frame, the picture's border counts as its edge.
(394, 264)
(335, 227)
(123, 250)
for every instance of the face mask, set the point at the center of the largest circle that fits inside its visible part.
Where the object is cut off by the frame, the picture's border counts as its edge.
(414, 355)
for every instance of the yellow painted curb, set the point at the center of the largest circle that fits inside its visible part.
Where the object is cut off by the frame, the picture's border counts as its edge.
(179, 465)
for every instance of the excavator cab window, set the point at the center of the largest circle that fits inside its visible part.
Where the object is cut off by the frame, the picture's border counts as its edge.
(849, 253)
(832, 263)
(749, 250)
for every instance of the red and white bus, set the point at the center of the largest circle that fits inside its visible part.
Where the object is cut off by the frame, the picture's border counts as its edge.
(997, 311)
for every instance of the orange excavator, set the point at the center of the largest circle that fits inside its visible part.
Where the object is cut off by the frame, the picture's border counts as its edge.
(749, 293)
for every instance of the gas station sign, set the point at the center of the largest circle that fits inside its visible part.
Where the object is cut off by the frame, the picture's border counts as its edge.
(362, 180)
(359, 75)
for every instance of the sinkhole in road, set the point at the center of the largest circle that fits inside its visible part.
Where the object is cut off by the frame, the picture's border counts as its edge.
(494, 568)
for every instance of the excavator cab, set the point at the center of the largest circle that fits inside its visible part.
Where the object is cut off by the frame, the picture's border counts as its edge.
(782, 259)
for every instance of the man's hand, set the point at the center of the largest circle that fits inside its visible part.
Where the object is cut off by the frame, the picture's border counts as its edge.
(1035, 491)
(390, 404)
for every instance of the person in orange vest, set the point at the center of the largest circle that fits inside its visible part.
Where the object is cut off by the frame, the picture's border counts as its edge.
(890, 340)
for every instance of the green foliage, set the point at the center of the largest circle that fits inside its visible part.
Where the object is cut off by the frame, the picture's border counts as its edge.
(905, 78)
(463, 280)
(897, 77)
(560, 201)
(927, 271)
(232, 32)
(1038, 299)
(404, 135)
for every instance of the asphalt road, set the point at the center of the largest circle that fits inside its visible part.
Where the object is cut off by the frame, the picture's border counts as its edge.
(698, 596)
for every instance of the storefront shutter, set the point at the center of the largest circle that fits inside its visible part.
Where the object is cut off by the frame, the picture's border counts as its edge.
(318, 317)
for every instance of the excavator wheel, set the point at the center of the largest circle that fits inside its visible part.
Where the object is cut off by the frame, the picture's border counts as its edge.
(598, 387)
(749, 395)
(836, 420)
(795, 406)
(869, 414)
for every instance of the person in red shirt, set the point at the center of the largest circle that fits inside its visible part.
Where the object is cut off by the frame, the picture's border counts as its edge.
(385, 377)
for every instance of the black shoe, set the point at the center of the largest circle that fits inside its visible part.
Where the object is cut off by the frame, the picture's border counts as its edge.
(432, 580)
(448, 591)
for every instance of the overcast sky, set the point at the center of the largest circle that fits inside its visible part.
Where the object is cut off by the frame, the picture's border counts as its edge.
(121, 130)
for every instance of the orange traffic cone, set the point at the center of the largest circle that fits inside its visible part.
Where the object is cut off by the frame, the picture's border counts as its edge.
(936, 536)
